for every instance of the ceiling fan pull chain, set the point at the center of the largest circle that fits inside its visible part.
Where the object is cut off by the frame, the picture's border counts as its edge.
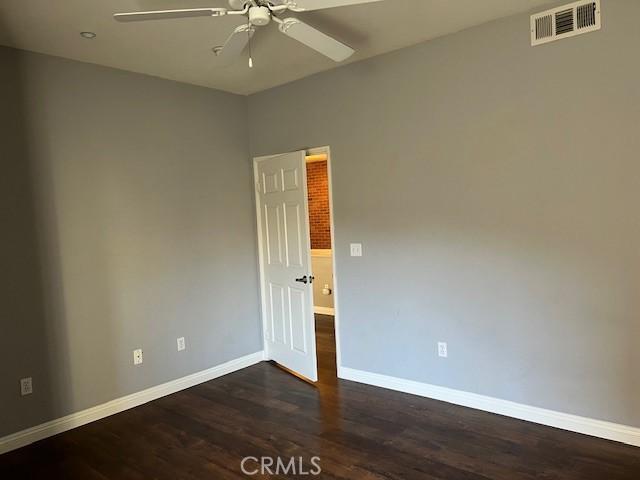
(250, 53)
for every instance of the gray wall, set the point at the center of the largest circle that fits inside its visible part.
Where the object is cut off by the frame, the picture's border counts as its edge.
(127, 221)
(495, 188)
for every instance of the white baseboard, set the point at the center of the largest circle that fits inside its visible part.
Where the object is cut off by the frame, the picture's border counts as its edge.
(324, 310)
(59, 425)
(573, 423)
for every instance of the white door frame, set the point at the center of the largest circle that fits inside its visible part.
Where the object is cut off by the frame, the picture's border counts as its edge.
(263, 312)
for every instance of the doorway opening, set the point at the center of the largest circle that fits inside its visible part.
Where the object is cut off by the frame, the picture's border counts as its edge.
(322, 260)
(290, 262)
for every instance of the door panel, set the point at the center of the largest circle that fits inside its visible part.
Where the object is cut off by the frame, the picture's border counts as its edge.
(271, 183)
(278, 316)
(286, 256)
(290, 179)
(294, 234)
(297, 308)
(273, 234)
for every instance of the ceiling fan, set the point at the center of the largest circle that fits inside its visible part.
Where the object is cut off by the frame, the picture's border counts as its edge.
(260, 13)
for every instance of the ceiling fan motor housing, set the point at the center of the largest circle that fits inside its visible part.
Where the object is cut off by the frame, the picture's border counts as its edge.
(259, 16)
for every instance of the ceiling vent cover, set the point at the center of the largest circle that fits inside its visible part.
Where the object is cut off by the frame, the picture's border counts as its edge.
(566, 21)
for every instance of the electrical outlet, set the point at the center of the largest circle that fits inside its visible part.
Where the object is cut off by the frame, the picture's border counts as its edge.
(356, 249)
(442, 350)
(26, 386)
(137, 356)
(181, 344)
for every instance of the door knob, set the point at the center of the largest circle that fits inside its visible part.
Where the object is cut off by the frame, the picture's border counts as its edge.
(303, 280)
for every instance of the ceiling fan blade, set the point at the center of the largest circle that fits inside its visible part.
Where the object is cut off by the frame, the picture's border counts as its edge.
(312, 38)
(236, 42)
(309, 5)
(167, 14)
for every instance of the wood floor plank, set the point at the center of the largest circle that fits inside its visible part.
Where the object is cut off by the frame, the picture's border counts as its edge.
(358, 431)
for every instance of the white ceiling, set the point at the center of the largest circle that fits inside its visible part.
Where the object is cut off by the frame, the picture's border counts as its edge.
(181, 49)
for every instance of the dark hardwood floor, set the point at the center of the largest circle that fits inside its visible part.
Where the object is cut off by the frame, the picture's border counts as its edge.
(359, 432)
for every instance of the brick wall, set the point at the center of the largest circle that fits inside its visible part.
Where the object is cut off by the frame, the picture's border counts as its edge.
(318, 185)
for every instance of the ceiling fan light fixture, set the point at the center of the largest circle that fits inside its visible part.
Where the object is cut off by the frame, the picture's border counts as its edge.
(259, 16)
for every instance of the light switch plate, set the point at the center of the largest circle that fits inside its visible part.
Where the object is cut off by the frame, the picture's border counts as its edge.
(181, 344)
(356, 249)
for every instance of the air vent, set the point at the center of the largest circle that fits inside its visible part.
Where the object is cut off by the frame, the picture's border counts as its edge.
(586, 15)
(544, 27)
(566, 21)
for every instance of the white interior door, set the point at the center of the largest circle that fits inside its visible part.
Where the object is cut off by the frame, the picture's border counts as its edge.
(285, 261)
